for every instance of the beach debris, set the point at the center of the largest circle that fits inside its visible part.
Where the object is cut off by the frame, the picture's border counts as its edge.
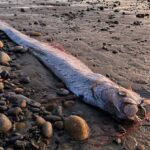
(4, 58)
(5, 124)
(77, 127)
(47, 129)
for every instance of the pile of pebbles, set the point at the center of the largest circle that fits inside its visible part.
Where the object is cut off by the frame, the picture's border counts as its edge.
(26, 123)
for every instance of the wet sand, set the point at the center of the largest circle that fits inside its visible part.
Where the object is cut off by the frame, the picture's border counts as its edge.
(110, 37)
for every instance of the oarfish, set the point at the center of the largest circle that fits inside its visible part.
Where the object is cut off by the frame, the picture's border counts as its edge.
(94, 88)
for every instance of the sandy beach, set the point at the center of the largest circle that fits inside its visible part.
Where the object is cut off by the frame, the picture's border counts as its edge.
(111, 37)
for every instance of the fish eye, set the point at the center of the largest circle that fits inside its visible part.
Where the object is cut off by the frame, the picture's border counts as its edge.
(122, 93)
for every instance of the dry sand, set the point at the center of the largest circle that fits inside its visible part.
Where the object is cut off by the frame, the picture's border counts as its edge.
(107, 36)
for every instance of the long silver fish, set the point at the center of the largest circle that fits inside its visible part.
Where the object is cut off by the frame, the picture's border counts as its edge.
(95, 88)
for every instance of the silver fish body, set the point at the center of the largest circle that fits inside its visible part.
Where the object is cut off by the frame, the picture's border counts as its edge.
(95, 89)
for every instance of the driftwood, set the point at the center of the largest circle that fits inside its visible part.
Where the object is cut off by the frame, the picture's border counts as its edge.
(95, 89)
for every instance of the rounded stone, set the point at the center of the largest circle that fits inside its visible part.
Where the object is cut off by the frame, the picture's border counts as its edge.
(47, 130)
(4, 58)
(39, 120)
(15, 111)
(59, 125)
(1, 44)
(1, 86)
(77, 127)
(5, 124)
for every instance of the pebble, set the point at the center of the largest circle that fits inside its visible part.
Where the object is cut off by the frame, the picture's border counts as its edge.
(25, 80)
(19, 49)
(63, 92)
(131, 143)
(18, 99)
(3, 108)
(52, 118)
(2, 102)
(18, 90)
(21, 144)
(51, 106)
(5, 124)
(118, 141)
(4, 58)
(77, 127)
(1, 148)
(39, 120)
(20, 126)
(59, 111)
(5, 74)
(1, 44)
(1, 86)
(47, 130)
(35, 33)
(68, 104)
(14, 111)
(59, 125)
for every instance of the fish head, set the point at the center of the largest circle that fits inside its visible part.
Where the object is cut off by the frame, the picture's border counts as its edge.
(122, 103)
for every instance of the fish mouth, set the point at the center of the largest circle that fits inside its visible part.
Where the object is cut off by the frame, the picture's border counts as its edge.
(134, 112)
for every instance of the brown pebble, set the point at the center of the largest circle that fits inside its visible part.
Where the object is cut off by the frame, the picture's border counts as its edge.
(39, 120)
(52, 118)
(1, 148)
(77, 127)
(20, 126)
(35, 33)
(59, 125)
(18, 90)
(51, 106)
(1, 44)
(5, 124)
(68, 104)
(1, 86)
(47, 130)
(4, 58)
